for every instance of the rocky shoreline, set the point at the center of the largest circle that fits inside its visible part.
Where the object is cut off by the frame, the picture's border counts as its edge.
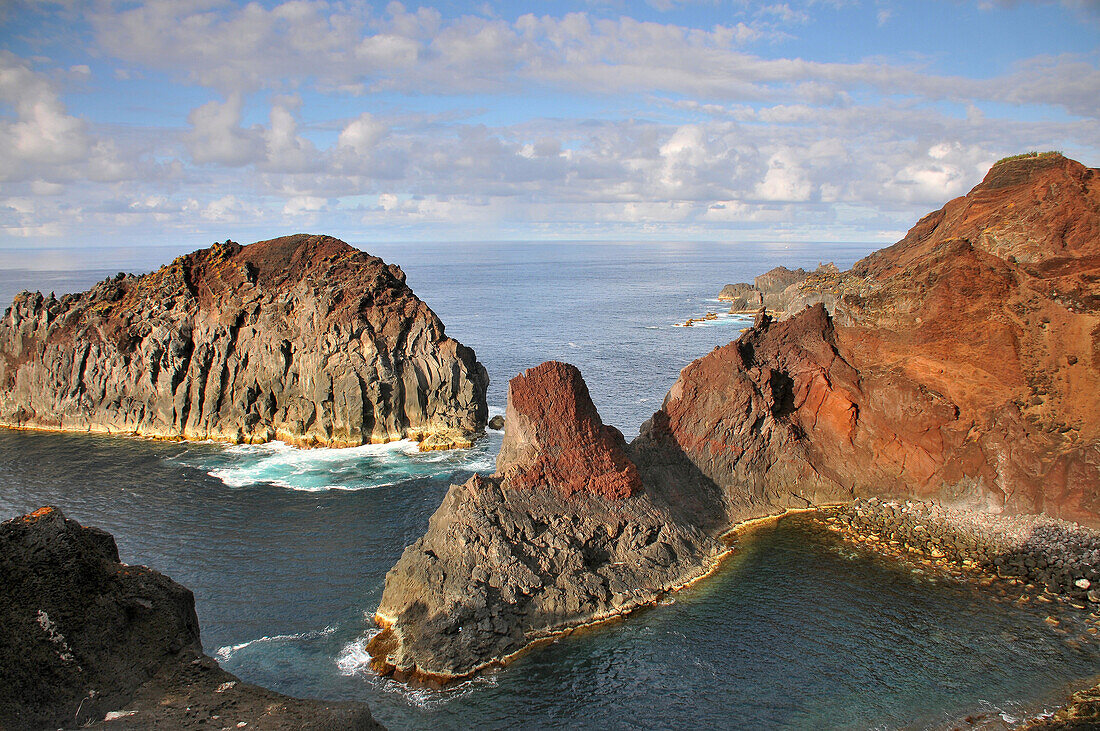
(1056, 557)
(302, 339)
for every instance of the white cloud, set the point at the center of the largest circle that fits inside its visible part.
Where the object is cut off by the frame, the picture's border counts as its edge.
(43, 132)
(216, 135)
(785, 180)
(362, 134)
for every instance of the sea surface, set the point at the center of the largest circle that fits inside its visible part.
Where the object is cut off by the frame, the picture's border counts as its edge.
(286, 550)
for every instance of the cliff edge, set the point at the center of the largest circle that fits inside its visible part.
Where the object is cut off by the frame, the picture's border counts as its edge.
(302, 339)
(87, 641)
(961, 364)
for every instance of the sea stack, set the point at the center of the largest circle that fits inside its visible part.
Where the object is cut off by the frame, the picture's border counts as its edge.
(86, 640)
(562, 535)
(302, 339)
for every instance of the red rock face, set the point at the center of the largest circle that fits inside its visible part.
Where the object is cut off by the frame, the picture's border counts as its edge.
(554, 437)
(967, 368)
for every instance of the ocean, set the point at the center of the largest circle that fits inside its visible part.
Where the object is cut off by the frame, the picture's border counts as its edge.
(286, 550)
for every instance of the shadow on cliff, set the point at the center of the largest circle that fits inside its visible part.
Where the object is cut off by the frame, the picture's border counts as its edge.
(672, 480)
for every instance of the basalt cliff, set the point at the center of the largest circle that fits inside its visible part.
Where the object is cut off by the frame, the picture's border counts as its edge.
(960, 366)
(563, 534)
(87, 641)
(302, 339)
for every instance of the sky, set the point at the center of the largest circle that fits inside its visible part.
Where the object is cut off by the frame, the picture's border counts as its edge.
(182, 122)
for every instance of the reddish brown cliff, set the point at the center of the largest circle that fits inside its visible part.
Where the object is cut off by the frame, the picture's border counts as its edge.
(88, 641)
(962, 364)
(301, 338)
(555, 437)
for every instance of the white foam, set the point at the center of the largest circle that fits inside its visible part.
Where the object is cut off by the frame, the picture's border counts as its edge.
(224, 653)
(354, 660)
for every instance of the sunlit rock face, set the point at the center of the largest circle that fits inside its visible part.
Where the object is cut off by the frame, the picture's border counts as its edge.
(961, 364)
(301, 338)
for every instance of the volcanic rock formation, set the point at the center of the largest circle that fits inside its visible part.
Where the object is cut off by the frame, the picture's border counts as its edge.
(782, 290)
(961, 364)
(84, 638)
(563, 534)
(301, 338)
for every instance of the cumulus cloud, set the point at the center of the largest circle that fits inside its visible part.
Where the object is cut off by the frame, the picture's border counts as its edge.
(708, 128)
(42, 133)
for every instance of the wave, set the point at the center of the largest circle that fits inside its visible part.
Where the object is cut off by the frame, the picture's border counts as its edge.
(354, 660)
(330, 468)
(224, 653)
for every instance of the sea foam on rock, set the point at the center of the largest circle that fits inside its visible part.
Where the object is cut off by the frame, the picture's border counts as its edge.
(86, 640)
(303, 339)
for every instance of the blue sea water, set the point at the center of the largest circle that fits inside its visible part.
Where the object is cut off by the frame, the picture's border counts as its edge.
(286, 550)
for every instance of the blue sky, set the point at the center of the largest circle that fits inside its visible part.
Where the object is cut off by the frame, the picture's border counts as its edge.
(180, 122)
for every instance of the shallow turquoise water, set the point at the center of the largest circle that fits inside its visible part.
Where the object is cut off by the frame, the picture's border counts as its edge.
(287, 550)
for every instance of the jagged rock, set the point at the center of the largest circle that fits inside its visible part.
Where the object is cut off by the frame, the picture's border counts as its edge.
(782, 290)
(946, 372)
(562, 535)
(555, 437)
(83, 636)
(497, 422)
(301, 338)
(962, 365)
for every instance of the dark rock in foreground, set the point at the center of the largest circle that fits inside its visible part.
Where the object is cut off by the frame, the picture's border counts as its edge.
(562, 535)
(84, 638)
(303, 339)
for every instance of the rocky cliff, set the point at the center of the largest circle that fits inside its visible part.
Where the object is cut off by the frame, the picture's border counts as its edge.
(782, 290)
(961, 364)
(86, 640)
(563, 534)
(301, 338)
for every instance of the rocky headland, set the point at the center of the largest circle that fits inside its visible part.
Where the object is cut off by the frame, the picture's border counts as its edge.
(87, 641)
(782, 290)
(303, 339)
(958, 370)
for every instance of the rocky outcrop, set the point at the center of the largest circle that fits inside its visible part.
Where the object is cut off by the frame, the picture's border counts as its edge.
(85, 640)
(782, 290)
(301, 338)
(555, 437)
(562, 535)
(961, 365)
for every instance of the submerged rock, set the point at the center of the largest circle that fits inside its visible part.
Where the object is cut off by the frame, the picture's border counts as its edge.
(85, 639)
(562, 535)
(301, 338)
